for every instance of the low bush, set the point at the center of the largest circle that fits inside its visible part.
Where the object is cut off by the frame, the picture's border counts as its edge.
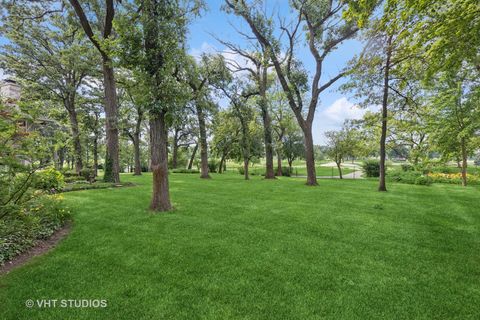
(454, 178)
(88, 174)
(50, 180)
(37, 219)
(212, 166)
(423, 180)
(407, 167)
(241, 170)
(286, 171)
(371, 168)
(183, 170)
(403, 176)
(73, 179)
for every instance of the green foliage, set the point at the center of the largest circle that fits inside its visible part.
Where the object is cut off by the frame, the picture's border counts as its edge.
(241, 170)
(371, 168)
(423, 180)
(213, 165)
(108, 172)
(88, 174)
(407, 167)
(49, 179)
(286, 172)
(37, 219)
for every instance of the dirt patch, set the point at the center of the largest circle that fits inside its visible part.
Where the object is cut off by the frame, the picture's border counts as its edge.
(41, 247)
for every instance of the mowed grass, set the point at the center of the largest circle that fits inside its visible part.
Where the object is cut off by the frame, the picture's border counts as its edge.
(260, 249)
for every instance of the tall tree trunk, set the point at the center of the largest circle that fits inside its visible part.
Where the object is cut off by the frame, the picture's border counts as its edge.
(95, 155)
(192, 157)
(279, 163)
(203, 143)
(382, 185)
(159, 137)
(136, 147)
(77, 145)
(175, 150)
(464, 162)
(309, 156)
(267, 126)
(112, 164)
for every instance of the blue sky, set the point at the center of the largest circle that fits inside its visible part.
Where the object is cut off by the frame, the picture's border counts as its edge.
(334, 107)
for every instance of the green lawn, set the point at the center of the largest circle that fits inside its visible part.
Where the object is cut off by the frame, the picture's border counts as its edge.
(260, 249)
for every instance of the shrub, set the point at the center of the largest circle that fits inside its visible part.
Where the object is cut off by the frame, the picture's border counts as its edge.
(49, 180)
(286, 172)
(404, 176)
(423, 180)
(212, 165)
(371, 168)
(73, 179)
(407, 167)
(454, 178)
(38, 219)
(183, 170)
(241, 170)
(88, 174)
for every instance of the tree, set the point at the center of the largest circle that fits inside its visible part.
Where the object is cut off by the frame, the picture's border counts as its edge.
(48, 55)
(283, 122)
(379, 76)
(226, 132)
(260, 60)
(325, 30)
(99, 41)
(201, 76)
(341, 144)
(132, 107)
(455, 119)
(149, 44)
(239, 92)
(292, 147)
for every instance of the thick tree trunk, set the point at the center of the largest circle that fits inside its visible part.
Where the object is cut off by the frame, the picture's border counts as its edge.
(192, 157)
(136, 147)
(112, 164)
(464, 162)
(245, 168)
(203, 143)
(382, 184)
(279, 164)
(159, 164)
(77, 145)
(309, 156)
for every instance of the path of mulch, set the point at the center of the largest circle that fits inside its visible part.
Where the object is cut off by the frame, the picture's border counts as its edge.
(41, 247)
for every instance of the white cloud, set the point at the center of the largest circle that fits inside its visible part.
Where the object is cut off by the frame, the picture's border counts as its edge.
(204, 48)
(341, 110)
(333, 117)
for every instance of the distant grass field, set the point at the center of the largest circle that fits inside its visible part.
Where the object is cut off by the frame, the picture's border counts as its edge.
(260, 249)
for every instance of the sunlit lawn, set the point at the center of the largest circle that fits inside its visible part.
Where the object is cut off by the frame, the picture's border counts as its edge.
(258, 249)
